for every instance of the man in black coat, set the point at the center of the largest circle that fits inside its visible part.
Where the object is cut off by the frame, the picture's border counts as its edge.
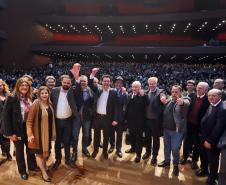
(122, 98)
(105, 106)
(135, 118)
(153, 124)
(199, 104)
(213, 125)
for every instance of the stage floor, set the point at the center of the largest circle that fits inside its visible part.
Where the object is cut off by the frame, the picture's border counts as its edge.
(114, 171)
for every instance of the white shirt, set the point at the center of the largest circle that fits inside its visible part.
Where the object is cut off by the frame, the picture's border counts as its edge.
(102, 102)
(216, 103)
(201, 96)
(63, 108)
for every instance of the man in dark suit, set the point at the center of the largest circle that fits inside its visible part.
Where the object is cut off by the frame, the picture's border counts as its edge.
(153, 124)
(85, 99)
(135, 118)
(105, 106)
(197, 109)
(65, 108)
(213, 125)
(122, 97)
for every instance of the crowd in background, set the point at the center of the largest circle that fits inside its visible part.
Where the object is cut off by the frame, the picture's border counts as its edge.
(167, 73)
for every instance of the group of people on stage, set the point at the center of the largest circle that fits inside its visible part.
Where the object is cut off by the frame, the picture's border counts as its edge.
(33, 118)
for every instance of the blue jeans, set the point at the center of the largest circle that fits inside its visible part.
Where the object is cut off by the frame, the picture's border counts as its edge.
(75, 134)
(172, 143)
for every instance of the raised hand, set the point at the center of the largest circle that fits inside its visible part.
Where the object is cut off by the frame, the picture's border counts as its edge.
(124, 90)
(141, 92)
(180, 101)
(163, 98)
(94, 71)
(75, 70)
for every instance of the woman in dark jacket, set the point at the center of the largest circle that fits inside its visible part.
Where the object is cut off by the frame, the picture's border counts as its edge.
(15, 114)
(4, 142)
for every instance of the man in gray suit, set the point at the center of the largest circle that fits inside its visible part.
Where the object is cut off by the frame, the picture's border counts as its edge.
(153, 124)
(174, 126)
(64, 104)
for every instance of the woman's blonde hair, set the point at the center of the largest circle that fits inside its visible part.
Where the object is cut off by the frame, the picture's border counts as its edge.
(17, 86)
(5, 87)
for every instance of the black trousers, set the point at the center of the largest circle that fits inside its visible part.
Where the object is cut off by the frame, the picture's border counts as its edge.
(20, 160)
(119, 130)
(101, 122)
(136, 138)
(222, 177)
(192, 143)
(152, 134)
(5, 144)
(213, 160)
(63, 135)
(203, 156)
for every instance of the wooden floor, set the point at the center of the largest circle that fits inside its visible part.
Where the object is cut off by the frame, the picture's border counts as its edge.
(114, 171)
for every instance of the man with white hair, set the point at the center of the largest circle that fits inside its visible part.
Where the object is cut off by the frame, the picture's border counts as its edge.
(219, 84)
(213, 125)
(153, 124)
(197, 109)
(135, 118)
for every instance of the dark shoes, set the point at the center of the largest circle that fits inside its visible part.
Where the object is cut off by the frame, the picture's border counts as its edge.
(70, 164)
(131, 150)
(119, 154)
(154, 161)
(111, 149)
(146, 156)
(211, 181)
(74, 156)
(194, 166)
(24, 176)
(94, 154)
(183, 161)
(137, 159)
(201, 173)
(164, 164)
(175, 171)
(105, 155)
(56, 165)
(86, 153)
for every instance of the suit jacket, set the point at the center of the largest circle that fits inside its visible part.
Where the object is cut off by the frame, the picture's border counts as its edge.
(70, 97)
(158, 107)
(214, 123)
(180, 115)
(135, 112)
(12, 118)
(122, 100)
(85, 108)
(112, 107)
(202, 110)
